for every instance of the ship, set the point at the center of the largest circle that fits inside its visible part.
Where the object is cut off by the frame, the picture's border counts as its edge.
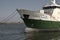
(46, 18)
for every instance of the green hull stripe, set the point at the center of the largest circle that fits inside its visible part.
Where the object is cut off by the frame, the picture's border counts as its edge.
(42, 24)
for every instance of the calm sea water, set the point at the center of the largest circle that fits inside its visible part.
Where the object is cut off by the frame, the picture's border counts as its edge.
(12, 32)
(43, 36)
(17, 32)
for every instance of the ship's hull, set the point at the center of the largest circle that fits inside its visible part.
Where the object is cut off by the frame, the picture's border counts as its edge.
(41, 24)
(41, 20)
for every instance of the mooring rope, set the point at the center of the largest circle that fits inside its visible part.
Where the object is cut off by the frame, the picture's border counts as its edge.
(9, 17)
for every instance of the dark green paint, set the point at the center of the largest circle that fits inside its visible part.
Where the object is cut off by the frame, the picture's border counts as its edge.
(41, 24)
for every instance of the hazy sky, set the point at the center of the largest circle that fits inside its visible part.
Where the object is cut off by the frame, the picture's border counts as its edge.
(9, 6)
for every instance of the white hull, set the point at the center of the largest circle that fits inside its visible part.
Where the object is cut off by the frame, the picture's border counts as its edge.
(40, 15)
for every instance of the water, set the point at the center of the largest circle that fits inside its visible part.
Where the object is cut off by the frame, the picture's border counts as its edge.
(17, 32)
(43, 36)
(36, 34)
(12, 32)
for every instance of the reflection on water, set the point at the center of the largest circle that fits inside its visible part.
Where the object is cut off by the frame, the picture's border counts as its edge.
(43, 36)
